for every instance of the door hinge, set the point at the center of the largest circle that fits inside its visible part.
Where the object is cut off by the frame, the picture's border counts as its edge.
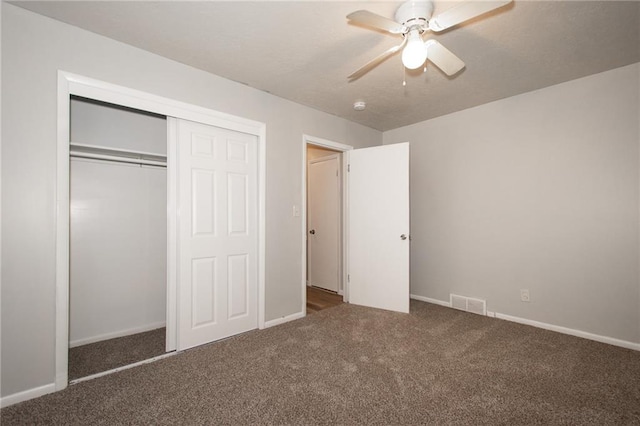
(348, 278)
(348, 167)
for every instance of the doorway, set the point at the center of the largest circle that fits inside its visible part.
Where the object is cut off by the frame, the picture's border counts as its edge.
(323, 224)
(324, 228)
(118, 237)
(375, 196)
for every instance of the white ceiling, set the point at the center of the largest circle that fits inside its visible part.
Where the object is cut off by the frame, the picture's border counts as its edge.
(303, 51)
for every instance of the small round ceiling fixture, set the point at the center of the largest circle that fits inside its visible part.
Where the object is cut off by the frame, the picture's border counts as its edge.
(359, 105)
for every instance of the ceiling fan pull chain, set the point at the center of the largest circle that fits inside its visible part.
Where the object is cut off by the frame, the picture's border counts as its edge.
(404, 76)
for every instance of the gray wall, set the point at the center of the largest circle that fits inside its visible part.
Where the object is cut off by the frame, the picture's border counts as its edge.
(34, 48)
(539, 192)
(101, 124)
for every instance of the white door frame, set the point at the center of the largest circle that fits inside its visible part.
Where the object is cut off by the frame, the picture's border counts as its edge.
(72, 84)
(324, 143)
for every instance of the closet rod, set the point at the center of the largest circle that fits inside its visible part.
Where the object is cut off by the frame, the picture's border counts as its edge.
(117, 159)
(120, 152)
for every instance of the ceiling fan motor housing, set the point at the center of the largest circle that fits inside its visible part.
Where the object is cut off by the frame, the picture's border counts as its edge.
(413, 13)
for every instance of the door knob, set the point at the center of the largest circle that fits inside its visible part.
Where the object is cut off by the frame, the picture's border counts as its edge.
(312, 232)
(403, 237)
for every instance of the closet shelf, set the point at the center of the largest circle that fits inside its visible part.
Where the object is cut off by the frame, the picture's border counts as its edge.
(98, 152)
(118, 152)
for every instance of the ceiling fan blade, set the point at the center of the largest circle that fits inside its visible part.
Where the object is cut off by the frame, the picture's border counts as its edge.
(463, 12)
(442, 58)
(376, 61)
(371, 19)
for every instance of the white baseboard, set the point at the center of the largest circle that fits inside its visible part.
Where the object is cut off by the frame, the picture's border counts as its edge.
(113, 335)
(571, 332)
(8, 400)
(545, 326)
(282, 320)
(429, 300)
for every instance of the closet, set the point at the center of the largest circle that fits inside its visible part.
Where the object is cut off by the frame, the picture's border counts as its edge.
(118, 236)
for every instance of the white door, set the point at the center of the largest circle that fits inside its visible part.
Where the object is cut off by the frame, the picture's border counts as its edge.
(379, 227)
(323, 222)
(218, 233)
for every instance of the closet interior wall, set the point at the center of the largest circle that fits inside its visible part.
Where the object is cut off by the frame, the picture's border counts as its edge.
(118, 223)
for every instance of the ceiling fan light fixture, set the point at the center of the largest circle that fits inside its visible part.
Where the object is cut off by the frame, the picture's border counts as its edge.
(412, 19)
(415, 53)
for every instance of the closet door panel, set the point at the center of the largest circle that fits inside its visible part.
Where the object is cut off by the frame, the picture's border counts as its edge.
(239, 284)
(203, 201)
(203, 282)
(238, 204)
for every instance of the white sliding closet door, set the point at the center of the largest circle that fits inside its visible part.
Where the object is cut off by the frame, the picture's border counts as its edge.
(218, 233)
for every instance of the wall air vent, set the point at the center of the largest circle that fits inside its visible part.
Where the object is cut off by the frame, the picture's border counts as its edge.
(468, 304)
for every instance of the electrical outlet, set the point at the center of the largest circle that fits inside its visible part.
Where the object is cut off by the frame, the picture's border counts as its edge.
(524, 295)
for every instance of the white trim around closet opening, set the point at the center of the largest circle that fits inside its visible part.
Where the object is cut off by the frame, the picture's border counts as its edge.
(71, 84)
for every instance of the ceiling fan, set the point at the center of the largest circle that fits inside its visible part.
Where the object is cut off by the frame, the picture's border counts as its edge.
(412, 20)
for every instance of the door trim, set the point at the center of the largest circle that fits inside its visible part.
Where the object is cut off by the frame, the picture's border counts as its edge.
(336, 146)
(72, 84)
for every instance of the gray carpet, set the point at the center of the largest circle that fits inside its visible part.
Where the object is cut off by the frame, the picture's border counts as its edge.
(109, 354)
(354, 365)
